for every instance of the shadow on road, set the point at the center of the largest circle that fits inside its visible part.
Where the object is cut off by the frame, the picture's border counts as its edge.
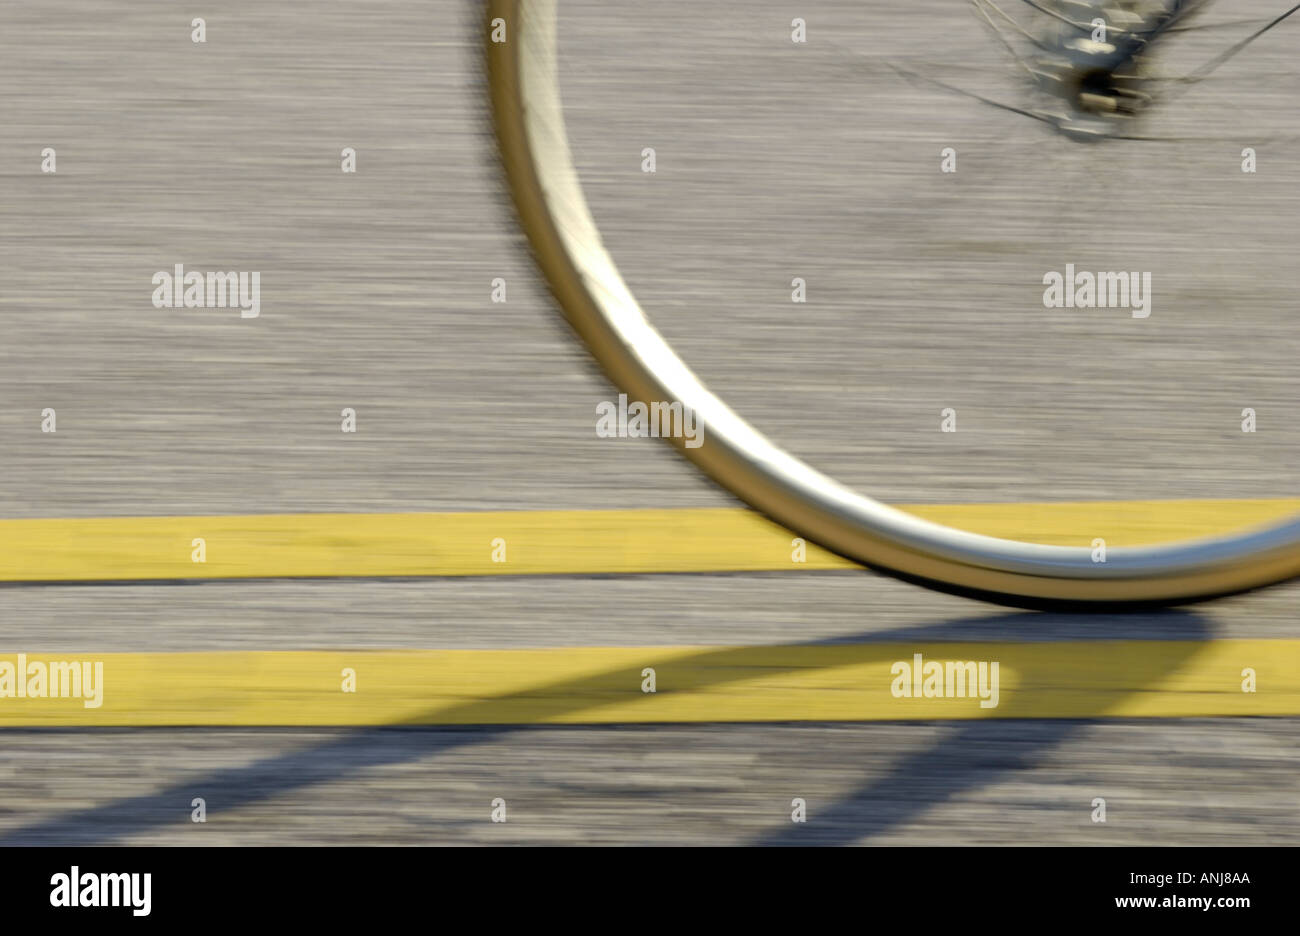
(914, 784)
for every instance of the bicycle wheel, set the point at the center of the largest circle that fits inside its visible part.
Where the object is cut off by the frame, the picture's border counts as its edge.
(568, 248)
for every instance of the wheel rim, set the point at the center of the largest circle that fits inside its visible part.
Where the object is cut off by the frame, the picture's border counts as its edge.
(567, 246)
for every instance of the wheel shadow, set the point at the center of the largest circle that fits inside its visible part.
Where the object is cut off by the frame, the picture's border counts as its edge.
(873, 809)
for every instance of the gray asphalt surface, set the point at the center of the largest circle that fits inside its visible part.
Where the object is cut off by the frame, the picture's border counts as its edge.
(774, 161)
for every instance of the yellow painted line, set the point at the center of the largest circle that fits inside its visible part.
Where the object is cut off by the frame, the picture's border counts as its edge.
(599, 685)
(583, 542)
